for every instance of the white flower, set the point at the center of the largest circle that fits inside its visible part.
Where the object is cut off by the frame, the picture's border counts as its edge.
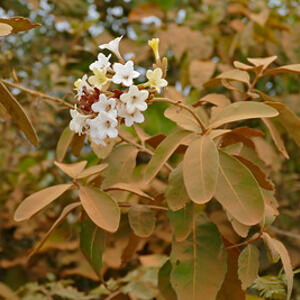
(105, 104)
(78, 121)
(135, 99)
(155, 79)
(99, 78)
(124, 73)
(130, 119)
(81, 85)
(102, 126)
(102, 62)
(113, 46)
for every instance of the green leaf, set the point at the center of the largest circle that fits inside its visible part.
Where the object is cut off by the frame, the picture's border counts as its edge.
(37, 201)
(182, 221)
(64, 143)
(92, 243)
(287, 266)
(102, 209)
(199, 263)
(200, 169)
(18, 114)
(141, 220)
(242, 111)
(248, 265)
(164, 284)
(176, 194)
(163, 152)
(238, 191)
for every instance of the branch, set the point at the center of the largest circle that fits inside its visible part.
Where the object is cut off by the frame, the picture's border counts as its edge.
(38, 94)
(258, 237)
(285, 233)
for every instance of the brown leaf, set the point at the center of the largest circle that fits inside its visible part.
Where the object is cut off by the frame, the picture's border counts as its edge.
(19, 24)
(247, 131)
(213, 98)
(73, 170)
(129, 188)
(102, 209)
(77, 144)
(233, 138)
(18, 114)
(64, 143)
(37, 201)
(294, 68)
(92, 171)
(231, 288)
(143, 11)
(262, 62)
(276, 137)
(130, 249)
(200, 72)
(155, 140)
(58, 221)
(6, 292)
(257, 172)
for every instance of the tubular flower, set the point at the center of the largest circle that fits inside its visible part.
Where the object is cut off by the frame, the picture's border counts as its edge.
(124, 73)
(105, 104)
(113, 46)
(99, 78)
(155, 79)
(154, 45)
(135, 99)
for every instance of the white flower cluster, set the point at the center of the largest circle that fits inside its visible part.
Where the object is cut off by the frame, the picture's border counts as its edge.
(110, 97)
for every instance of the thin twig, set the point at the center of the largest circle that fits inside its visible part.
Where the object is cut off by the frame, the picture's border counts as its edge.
(258, 237)
(285, 233)
(38, 94)
(142, 148)
(126, 204)
(183, 106)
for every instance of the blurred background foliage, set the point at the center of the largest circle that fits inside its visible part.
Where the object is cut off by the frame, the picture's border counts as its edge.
(200, 39)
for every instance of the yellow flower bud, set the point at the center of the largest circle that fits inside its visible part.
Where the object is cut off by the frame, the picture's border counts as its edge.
(154, 45)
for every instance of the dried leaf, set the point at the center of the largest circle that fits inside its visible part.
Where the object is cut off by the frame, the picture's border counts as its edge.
(102, 209)
(77, 144)
(142, 220)
(37, 201)
(143, 11)
(200, 72)
(199, 262)
(231, 288)
(182, 118)
(129, 188)
(163, 152)
(200, 169)
(241, 229)
(19, 24)
(276, 137)
(248, 265)
(130, 249)
(58, 221)
(92, 171)
(18, 114)
(272, 253)
(6, 292)
(215, 99)
(295, 68)
(263, 62)
(230, 75)
(287, 266)
(73, 170)
(64, 143)
(242, 111)
(176, 194)
(234, 183)
(257, 172)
